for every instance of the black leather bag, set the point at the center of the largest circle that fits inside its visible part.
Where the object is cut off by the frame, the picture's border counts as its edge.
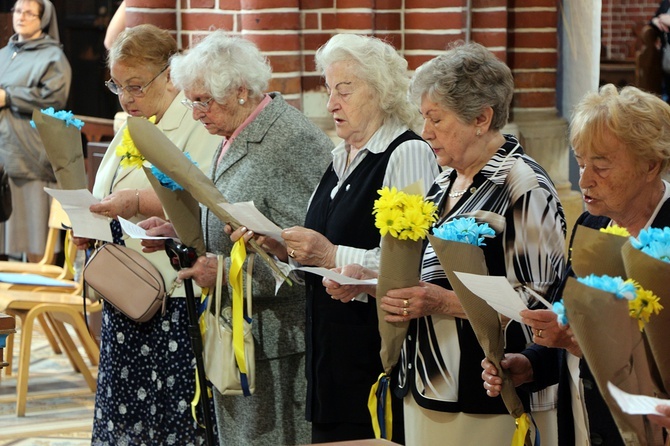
(5, 195)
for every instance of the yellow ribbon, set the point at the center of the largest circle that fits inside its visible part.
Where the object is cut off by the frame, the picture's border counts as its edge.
(522, 426)
(374, 408)
(237, 257)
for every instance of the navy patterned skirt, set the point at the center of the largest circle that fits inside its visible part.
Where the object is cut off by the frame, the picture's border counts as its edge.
(146, 381)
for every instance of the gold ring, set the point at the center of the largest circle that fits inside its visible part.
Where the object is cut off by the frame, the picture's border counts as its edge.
(292, 254)
(539, 333)
(405, 312)
(405, 303)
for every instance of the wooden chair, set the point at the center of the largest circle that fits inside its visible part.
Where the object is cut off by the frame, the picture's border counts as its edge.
(45, 266)
(60, 309)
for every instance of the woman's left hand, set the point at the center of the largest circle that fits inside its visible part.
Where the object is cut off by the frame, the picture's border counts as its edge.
(309, 247)
(548, 332)
(661, 420)
(425, 299)
(346, 293)
(203, 271)
(122, 203)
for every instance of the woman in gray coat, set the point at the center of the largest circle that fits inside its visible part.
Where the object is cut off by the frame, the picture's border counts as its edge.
(34, 73)
(274, 156)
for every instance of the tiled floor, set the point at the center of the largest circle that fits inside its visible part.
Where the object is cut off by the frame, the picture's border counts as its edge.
(59, 409)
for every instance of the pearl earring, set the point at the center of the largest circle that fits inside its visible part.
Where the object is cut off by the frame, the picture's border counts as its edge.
(241, 101)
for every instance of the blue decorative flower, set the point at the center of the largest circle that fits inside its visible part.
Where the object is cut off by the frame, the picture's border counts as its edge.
(63, 115)
(165, 180)
(654, 242)
(464, 230)
(559, 309)
(623, 289)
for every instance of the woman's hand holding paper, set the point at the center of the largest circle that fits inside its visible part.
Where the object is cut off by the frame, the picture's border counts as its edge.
(309, 247)
(121, 203)
(346, 293)
(269, 244)
(156, 227)
(548, 332)
(203, 271)
(425, 299)
(81, 242)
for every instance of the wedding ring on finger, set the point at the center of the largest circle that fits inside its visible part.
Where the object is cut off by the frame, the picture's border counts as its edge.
(539, 333)
(405, 312)
(292, 253)
(405, 303)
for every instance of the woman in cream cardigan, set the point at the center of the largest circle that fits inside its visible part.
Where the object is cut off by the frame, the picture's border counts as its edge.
(146, 377)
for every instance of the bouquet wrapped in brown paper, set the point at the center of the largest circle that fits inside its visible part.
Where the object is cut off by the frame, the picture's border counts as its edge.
(597, 252)
(457, 245)
(652, 274)
(61, 135)
(162, 153)
(403, 218)
(182, 210)
(612, 345)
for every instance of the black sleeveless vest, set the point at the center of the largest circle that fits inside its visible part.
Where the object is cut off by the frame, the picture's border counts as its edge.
(342, 360)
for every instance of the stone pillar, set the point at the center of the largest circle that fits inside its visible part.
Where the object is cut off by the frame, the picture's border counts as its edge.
(544, 136)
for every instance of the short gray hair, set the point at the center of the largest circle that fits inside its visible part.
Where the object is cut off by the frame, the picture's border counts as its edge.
(377, 64)
(637, 119)
(220, 64)
(465, 80)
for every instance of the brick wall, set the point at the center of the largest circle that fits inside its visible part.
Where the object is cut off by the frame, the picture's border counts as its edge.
(520, 32)
(621, 19)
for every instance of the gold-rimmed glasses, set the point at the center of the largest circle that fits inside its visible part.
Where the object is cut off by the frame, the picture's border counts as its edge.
(27, 14)
(202, 106)
(136, 91)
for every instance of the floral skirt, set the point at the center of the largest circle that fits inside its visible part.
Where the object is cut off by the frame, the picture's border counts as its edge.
(146, 381)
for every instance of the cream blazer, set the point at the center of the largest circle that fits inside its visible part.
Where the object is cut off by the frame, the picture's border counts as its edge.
(185, 133)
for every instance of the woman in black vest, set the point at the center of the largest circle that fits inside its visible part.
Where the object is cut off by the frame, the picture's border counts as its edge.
(367, 83)
(464, 96)
(621, 141)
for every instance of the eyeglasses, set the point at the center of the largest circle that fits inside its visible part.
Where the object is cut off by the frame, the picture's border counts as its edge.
(27, 14)
(133, 90)
(202, 106)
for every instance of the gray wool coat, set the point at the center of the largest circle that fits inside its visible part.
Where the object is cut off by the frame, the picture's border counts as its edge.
(276, 162)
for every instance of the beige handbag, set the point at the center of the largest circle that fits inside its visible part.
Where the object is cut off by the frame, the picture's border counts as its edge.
(220, 362)
(125, 279)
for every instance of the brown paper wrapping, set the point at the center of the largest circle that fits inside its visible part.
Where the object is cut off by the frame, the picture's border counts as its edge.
(595, 252)
(64, 150)
(463, 257)
(183, 211)
(612, 345)
(162, 153)
(652, 274)
(399, 267)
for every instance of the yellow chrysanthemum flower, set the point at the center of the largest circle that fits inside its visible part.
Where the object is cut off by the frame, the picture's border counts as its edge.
(616, 230)
(390, 221)
(643, 306)
(128, 152)
(403, 216)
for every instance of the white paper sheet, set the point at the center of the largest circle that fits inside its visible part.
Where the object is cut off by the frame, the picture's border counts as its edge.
(336, 277)
(635, 404)
(134, 231)
(247, 214)
(85, 223)
(496, 291)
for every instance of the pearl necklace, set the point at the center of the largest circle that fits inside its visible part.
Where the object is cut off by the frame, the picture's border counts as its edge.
(458, 193)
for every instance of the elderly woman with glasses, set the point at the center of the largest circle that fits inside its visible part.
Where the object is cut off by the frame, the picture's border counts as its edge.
(34, 73)
(146, 376)
(274, 156)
